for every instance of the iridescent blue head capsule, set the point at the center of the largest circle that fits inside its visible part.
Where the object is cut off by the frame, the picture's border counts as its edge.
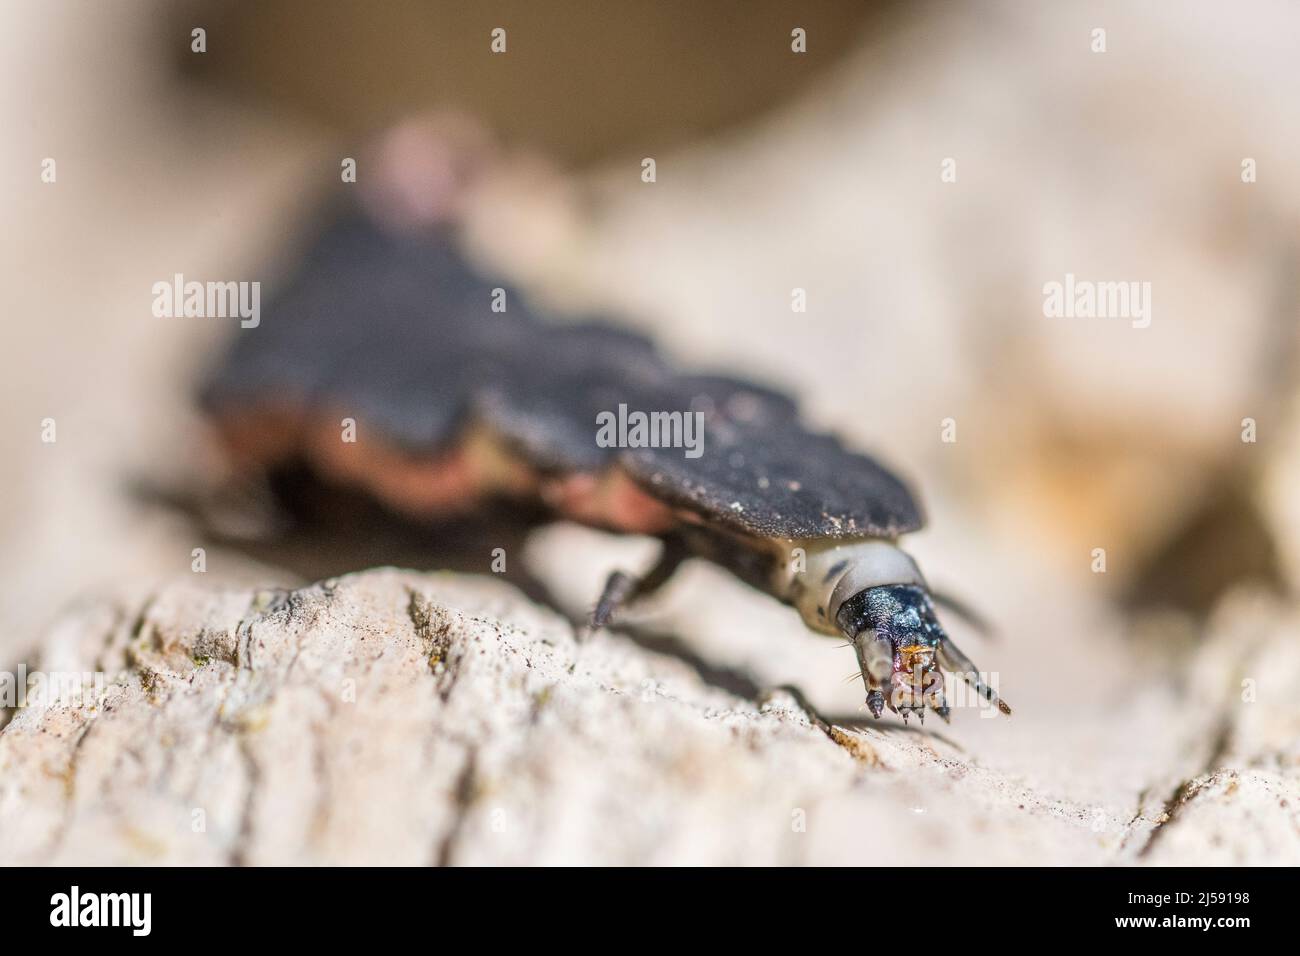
(897, 637)
(874, 594)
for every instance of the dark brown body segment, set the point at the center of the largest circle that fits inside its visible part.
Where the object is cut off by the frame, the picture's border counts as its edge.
(454, 402)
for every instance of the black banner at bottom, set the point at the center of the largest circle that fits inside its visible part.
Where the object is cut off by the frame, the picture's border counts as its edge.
(921, 906)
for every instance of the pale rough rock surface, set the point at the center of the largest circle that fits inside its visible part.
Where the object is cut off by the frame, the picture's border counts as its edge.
(410, 718)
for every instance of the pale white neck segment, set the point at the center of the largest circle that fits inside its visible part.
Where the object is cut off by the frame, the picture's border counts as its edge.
(834, 572)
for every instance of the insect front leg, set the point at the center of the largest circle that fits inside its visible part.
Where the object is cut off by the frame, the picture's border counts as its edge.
(619, 587)
(952, 659)
(963, 610)
(622, 588)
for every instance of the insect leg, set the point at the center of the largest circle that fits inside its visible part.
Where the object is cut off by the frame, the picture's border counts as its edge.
(622, 588)
(952, 659)
(964, 611)
(619, 588)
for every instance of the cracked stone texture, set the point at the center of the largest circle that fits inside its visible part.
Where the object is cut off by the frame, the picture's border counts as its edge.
(410, 718)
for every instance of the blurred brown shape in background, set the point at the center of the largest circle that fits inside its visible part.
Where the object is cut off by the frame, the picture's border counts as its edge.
(580, 79)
